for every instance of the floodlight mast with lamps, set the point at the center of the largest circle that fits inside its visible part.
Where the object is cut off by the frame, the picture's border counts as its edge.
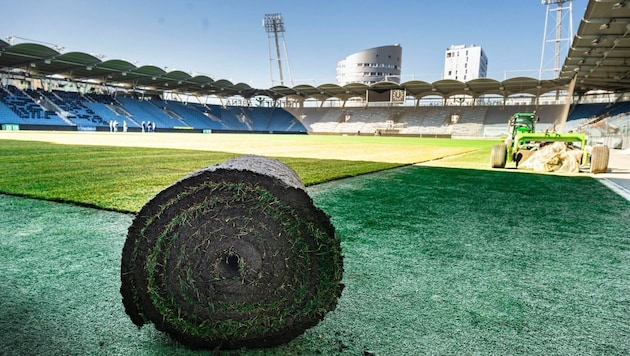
(559, 9)
(274, 26)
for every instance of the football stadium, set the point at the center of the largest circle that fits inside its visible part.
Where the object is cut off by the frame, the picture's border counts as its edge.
(148, 212)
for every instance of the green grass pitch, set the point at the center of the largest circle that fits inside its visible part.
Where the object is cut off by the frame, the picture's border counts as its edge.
(447, 257)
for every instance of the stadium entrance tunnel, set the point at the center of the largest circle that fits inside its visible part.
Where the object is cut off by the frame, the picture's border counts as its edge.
(234, 255)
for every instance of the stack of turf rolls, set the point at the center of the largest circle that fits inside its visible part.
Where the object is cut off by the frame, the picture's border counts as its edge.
(234, 255)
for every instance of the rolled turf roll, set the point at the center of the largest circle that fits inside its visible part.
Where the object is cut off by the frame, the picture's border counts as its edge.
(234, 255)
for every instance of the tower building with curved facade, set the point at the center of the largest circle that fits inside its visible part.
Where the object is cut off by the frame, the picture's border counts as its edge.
(371, 66)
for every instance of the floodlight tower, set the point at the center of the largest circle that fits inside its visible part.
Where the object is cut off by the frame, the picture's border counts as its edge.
(559, 35)
(274, 26)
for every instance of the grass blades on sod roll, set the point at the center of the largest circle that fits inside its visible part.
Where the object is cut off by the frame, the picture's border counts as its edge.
(437, 261)
(234, 255)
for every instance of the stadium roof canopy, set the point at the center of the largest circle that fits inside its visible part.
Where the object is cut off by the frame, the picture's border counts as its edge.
(600, 53)
(37, 60)
(599, 59)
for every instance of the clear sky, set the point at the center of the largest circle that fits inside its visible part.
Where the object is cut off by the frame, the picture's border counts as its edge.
(225, 39)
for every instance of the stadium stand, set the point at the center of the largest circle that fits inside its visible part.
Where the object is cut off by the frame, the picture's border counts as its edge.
(26, 109)
(427, 120)
(36, 107)
(72, 110)
(213, 113)
(275, 120)
(190, 114)
(146, 110)
(320, 120)
(72, 104)
(470, 122)
(586, 111)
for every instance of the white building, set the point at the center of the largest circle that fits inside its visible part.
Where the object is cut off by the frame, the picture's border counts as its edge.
(371, 66)
(465, 63)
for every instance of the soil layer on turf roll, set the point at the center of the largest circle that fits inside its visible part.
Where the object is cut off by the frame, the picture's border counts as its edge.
(234, 255)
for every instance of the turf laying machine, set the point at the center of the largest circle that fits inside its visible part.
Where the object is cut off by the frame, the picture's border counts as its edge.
(547, 151)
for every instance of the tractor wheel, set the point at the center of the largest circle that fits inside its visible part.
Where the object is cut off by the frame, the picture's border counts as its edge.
(599, 159)
(498, 156)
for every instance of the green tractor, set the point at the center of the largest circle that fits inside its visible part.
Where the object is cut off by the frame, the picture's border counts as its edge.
(523, 141)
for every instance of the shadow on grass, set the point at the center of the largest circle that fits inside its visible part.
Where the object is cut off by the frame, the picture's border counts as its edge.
(437, 261)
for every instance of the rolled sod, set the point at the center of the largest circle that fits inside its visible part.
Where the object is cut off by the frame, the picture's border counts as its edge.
(234, 255)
